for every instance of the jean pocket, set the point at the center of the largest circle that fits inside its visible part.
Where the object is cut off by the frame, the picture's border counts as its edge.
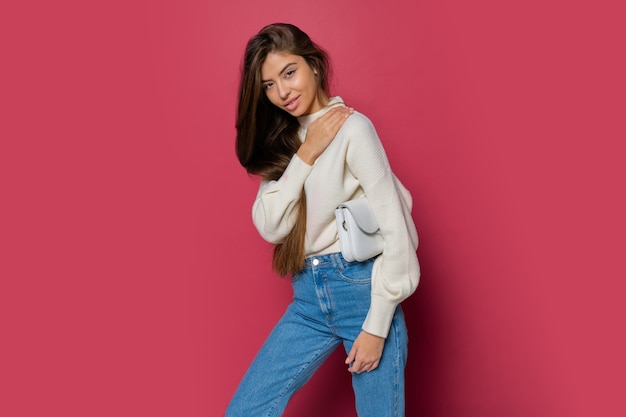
(357, 272)
(296, 276)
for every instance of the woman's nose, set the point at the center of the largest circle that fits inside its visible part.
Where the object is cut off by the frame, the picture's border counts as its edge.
(283, 90)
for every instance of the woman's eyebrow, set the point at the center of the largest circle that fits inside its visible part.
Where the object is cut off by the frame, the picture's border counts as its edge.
(281, 71)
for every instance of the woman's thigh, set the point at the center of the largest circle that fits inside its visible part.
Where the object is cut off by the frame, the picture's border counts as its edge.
(380, 393)
(292, 353)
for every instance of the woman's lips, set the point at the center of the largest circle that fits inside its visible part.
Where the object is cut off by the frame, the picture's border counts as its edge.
(292, 104)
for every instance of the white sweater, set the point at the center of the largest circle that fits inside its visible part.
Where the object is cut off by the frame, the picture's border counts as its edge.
(354, 164)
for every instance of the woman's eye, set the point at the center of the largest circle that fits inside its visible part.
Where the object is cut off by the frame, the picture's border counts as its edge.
(290, 73)
(267, 86)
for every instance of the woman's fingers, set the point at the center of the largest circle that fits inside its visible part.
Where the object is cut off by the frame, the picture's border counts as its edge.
(321, 132)
(334, 118)
(326, 127)
(365, 353)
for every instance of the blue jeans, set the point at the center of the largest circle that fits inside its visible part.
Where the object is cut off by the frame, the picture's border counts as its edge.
(331, 300)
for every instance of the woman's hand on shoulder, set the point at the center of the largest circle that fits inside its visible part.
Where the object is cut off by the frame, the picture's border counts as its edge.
(321, 132)
(365, 353)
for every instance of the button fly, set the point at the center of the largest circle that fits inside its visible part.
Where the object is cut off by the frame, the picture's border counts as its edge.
(316, 262)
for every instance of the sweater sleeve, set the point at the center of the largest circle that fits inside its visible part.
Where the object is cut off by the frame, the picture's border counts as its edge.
(274, 209)
(396, 272)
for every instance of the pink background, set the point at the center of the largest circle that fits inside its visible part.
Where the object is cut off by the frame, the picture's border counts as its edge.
(134, 284)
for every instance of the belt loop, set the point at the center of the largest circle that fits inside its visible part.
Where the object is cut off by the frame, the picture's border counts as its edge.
(337, 261)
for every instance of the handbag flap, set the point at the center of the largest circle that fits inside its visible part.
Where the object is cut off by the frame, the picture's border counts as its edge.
(362, 214)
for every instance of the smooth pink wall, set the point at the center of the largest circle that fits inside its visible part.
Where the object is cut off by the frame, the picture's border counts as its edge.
(134, 284)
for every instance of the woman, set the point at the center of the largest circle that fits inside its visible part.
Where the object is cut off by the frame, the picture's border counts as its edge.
(314, 153)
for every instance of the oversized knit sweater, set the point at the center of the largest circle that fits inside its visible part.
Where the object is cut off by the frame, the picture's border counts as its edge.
(353, 165)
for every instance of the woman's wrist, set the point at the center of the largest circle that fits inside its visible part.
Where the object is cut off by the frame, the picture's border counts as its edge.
(306, 154)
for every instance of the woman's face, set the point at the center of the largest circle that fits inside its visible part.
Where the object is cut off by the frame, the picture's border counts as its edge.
(290, 84)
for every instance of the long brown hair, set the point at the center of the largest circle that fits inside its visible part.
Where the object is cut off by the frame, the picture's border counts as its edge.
(267, 137)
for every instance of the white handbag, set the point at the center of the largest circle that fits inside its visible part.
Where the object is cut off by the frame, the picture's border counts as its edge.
(359, 235)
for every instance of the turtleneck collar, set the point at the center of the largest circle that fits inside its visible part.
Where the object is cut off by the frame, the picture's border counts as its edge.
(333, 102)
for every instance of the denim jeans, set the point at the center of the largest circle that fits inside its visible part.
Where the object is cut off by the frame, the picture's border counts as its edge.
(331, 300)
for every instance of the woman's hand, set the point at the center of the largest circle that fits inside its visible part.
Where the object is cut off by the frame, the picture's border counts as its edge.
(365, 353)
(321, 133)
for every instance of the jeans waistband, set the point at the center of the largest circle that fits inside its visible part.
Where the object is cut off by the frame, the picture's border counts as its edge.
(335, 260)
